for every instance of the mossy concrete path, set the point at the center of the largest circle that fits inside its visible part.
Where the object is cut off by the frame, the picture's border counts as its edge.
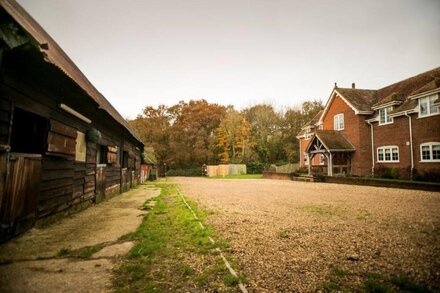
(77, 253)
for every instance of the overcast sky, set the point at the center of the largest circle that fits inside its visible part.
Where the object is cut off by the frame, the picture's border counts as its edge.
(143, 52)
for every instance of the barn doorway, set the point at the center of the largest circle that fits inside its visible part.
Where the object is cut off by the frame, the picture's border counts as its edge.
(18, 205)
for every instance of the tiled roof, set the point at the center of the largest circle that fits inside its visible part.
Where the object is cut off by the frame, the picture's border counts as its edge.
(410, 86)
(361, 99)
(334, 140)
(408, 105)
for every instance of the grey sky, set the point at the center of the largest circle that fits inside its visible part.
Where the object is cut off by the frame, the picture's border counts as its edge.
(142, 52)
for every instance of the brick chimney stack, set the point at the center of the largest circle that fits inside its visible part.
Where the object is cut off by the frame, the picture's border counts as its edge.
(353, 85)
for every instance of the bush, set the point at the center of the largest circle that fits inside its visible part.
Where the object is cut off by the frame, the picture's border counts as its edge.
(302, 170)
(255, 168)
(432, 175)
(185, 172)
(385, 172)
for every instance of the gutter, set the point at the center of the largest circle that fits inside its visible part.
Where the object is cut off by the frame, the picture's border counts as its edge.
(372, 147)
(411, 144)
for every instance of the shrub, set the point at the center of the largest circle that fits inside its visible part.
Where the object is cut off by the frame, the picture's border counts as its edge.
(302, 170)
(255, 168)
(432, 175)
(385, 172)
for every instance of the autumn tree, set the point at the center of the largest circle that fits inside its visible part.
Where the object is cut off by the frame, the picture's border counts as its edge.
(233, 137)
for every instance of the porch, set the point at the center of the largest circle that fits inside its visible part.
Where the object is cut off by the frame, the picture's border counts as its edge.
(335, 151)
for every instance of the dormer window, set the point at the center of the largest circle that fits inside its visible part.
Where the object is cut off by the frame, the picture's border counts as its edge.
(384, 116)
(427, 107)
(308, 134)
(338, 122)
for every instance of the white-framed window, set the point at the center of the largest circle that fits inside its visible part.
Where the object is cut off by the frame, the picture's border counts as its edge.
(321, 159)
(384, 115)
(427, 107)
(430, 152)
(387, 154)
(308, 134)
(306, 159)
(338, 122)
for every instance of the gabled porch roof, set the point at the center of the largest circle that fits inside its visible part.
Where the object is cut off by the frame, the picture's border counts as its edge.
(329, 141)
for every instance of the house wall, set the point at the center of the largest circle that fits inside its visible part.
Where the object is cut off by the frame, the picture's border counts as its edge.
(425, 129)
(357, 132)
(398, 134)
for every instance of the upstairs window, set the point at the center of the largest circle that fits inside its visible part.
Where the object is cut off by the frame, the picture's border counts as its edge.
(308, 134)
(387, 154)
(384, 116)
(430, 152)
(338, 122)
(427, 107)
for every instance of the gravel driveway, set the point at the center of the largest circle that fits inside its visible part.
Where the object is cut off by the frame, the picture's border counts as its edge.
(294, 236)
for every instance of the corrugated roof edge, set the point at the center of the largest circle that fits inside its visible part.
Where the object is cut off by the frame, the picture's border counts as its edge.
(55, 55)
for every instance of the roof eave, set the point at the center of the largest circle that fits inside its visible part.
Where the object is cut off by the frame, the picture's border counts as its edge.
(427, 93)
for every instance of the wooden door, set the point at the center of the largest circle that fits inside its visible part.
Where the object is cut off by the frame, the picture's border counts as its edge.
(100, 184)
(19, 203)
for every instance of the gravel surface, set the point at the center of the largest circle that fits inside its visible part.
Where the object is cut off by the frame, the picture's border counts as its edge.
(303, 237)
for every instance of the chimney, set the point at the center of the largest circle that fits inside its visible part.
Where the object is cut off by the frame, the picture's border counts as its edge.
(336, 85)
(353, 85)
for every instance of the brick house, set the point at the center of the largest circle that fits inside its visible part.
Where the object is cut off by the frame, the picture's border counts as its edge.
(363, 132)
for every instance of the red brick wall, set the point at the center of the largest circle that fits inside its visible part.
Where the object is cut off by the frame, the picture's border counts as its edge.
(424, 130)
(357, 132)
(395, 134)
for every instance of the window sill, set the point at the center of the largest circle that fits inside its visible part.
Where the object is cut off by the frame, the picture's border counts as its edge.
(387, 162)
(101, 165)
(381, 124)
(430, 161)
(426, 116)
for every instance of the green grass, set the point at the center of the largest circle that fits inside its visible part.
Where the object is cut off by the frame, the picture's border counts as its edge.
(341, 280)
(242, 176)
(172, 253)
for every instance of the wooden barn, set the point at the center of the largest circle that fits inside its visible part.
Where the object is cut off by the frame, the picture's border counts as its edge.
(62, 144)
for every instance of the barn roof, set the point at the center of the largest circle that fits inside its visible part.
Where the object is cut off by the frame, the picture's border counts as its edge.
(55, 55)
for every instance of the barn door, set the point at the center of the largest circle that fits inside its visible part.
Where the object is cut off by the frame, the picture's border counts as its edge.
(19, 204)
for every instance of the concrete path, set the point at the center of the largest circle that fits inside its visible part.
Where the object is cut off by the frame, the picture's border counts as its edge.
(31, 264)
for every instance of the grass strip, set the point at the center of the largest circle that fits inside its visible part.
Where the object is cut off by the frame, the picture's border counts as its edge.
(172, 253)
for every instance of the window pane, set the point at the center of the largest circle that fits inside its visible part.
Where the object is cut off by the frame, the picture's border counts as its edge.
(432, 108)
(341, 121)
(387, 114)
(423, 106)
(380, 154)
(436, 152)
(425, 153)
(387, 155)
(382, 116)
(395, 154)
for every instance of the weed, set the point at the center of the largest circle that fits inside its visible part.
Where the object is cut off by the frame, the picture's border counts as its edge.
(230, 280)
(283, 234)
(64, 252)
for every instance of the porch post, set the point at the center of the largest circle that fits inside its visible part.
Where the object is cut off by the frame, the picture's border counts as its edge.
(330, 165)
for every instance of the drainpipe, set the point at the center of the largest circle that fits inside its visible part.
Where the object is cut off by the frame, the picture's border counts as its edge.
(411, 144)
(372, 148)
